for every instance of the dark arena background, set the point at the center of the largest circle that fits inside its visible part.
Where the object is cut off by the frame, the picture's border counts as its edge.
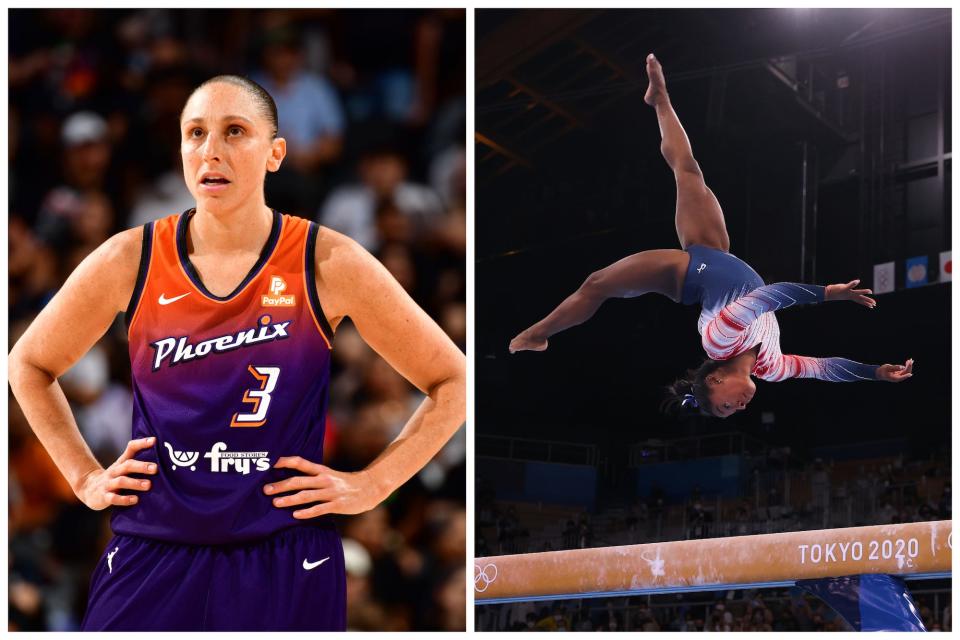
(376, 137)
(825, 135)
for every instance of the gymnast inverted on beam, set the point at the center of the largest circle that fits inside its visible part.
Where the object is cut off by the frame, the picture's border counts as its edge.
(739, 330)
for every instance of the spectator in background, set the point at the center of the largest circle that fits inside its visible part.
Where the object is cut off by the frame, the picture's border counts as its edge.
(397, 258)
(585, 533)
(454, 322)
(448, 175)
(508, 530)
(888, 514)
(26, 603)
(645, 620)
(33, 270)
(716, 621)
(683, 621)
(437, 61)
(90, 228)
(758, 617)
(820, 486)
(388, 580)
(531, 623)
(926, 614)
(104, 419)
(380, 86)
(87, 151)
(452, 600)
(546, 620)
(311, 121)
(697, 521)
(156, 177)
(742, 526)
(13, 146)
(63, 59)
(363, 612)
(410, 209)
(41, 490)
(48, 534)
(657, 504)
(609, 619)
(86, 160)
(60, 62)
(570, 535)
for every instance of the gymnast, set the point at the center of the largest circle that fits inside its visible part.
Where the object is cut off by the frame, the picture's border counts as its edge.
(739, 331)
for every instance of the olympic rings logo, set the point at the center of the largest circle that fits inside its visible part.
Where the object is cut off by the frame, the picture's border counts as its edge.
(483, 578)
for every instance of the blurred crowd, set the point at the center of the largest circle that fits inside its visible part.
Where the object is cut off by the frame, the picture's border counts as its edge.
(818, 494)
(750, 610)
(372, 105)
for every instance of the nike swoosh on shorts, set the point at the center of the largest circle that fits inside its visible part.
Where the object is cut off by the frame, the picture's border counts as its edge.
(313, 565)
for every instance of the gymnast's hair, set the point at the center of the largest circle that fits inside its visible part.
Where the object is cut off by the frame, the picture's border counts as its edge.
(690, 393)
(265, 103)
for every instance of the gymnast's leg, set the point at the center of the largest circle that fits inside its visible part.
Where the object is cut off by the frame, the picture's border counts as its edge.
(699, 218)
(655, 271)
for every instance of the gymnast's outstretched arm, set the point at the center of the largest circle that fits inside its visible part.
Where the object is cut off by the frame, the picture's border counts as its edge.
(841, 370)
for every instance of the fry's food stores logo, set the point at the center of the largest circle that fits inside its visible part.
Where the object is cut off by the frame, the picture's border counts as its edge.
(221, 460)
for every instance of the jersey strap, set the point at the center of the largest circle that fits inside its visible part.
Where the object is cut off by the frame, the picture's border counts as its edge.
(310, 283)
(146, 249)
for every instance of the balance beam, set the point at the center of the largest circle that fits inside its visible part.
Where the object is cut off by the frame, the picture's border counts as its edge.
(913, 550)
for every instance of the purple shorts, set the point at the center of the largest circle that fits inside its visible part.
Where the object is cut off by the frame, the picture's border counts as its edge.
(291, 581)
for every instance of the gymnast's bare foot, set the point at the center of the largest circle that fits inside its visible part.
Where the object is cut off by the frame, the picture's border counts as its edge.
(526, 341)
(657, 91)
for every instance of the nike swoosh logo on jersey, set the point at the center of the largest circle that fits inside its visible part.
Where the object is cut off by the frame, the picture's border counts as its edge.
(164, 300)
(313, 565)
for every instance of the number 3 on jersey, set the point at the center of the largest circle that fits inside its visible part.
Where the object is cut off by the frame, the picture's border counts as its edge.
(259, 398)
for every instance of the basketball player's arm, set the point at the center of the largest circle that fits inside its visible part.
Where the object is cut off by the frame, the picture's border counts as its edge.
(71, 323)
(353, 283)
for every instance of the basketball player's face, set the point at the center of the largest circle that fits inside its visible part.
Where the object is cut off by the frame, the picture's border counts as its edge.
(227, 147)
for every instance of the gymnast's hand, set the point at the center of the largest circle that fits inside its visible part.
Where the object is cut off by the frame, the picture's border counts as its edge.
(895, 372)
(101, 487)
(335, 491)
(847, 292)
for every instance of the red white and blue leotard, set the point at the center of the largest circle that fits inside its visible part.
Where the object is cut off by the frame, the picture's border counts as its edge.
(737, 315)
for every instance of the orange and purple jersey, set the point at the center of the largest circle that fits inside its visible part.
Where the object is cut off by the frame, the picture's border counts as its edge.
(226, 384)
(737, 315)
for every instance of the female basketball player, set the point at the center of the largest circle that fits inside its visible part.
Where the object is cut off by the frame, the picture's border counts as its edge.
(231, 310)
(740, 334)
